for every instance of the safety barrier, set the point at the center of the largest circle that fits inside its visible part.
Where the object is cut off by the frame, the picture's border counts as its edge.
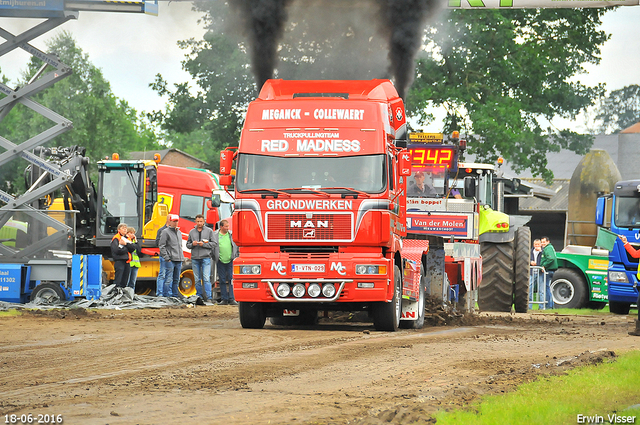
(538, 280)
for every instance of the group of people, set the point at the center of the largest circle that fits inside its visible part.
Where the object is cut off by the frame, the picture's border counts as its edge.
(206, 246)
(125, 251)
(543, 255)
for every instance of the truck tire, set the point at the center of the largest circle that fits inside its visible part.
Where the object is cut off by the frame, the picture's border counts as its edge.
(187, 285)
(569, 289)
(47, 293)
(252, 315)
(419, 322)
(521, 269)
(619, 308)
(496, 289)
(386, 315)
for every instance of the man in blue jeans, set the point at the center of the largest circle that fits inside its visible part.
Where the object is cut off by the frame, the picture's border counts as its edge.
(224, 251)
(171, 251)
(550, 263)
(162, 272)
(200, 242)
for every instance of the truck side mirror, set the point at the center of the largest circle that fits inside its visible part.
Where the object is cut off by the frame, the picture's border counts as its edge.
(225, 180)
(469, 187)
(404, 162)
(226, 162)
(600, 204)
(215, 200)
(212, 217)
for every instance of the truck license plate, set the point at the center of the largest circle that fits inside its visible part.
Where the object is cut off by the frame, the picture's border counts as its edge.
(308, 268)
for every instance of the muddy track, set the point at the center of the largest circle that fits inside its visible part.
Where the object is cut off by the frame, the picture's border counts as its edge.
(197, 365)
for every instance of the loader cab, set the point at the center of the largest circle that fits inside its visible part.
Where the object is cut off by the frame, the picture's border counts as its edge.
(127, 193)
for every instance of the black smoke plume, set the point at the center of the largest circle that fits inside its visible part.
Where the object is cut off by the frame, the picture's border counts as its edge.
(403, 23)
(264, 22)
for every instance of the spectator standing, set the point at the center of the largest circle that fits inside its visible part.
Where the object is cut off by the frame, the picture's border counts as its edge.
(550, 263)
(134, 264)
(635, 254)
(535, 279)
(171, 251)
(162, 272)
(224, 251)
(121, 249)
(200, 243)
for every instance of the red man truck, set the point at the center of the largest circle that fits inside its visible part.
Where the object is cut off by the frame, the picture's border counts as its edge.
(320, 210)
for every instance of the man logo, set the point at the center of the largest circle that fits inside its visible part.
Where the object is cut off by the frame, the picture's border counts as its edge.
(342, 270)
(309, 233)
(279, 268)
(310, 224)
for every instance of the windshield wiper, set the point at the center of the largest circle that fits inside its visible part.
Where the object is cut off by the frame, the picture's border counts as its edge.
(273, 192)
(350, 189)
(307, 189)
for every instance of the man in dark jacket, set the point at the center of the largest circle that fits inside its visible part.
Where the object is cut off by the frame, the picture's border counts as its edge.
(121, 249)
(200, 243)
(162, 272)
(171, 250)
(550, 263)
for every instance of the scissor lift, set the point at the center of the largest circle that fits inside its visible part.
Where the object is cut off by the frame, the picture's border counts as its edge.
(50, 240)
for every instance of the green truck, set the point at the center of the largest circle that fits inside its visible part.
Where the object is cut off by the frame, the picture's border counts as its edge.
(581, 278)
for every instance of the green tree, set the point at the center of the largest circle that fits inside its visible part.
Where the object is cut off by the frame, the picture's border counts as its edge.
(619, 110)
(502, 75)
(101, 122)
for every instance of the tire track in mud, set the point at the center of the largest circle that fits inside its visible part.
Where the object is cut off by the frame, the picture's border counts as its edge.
(191, 366)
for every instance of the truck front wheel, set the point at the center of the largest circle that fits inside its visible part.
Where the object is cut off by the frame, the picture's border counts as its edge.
(569, 289)
(252, 315)
(619, 308)
(386, 315)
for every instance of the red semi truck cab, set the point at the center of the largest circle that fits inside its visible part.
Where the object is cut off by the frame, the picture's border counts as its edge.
(320, 203)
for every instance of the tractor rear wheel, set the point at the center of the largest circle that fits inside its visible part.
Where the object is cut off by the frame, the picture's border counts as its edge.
(521, 269)
(496, 289)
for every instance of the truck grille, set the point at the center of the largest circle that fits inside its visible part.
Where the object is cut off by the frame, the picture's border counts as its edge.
(309, 227)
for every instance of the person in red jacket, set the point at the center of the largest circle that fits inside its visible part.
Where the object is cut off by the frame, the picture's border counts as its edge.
(121, 249)
(635, 253)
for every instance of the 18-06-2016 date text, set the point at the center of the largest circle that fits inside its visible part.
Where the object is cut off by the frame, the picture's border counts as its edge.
(30, 418)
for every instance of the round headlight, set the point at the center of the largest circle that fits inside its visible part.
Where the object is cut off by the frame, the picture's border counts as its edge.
(255, 269)
(314, 290)
(329, 290)
(283, 290)
(298, 290)
(372, 270)
(246, 269)
(361, 269)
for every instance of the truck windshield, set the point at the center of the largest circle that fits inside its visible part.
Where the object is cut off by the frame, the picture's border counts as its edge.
(365, 173)
(119, 199)
(627, 211)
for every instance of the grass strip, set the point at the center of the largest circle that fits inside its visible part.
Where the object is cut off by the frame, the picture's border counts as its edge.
(592, 391)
